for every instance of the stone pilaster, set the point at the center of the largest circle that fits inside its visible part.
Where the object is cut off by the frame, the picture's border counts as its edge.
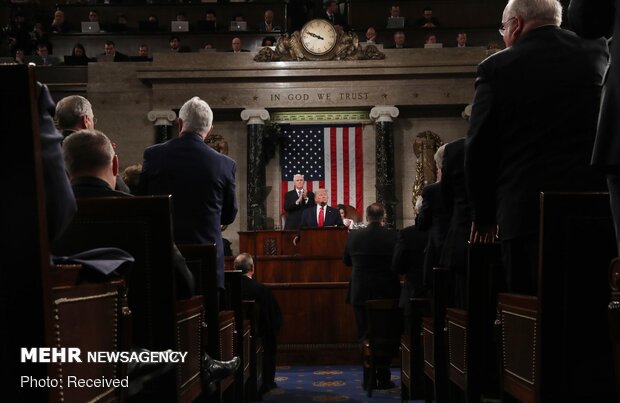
(162, 123)
(256, 177)
(383, 116)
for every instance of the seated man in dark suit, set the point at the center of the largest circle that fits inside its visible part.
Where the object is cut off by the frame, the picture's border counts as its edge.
(110, 51)
(270, 316)
(92, 165)
(369, 250)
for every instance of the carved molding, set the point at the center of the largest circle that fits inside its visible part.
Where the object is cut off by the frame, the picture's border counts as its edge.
(255, 116)
(321, 117)
(384, 113)
(162, 117)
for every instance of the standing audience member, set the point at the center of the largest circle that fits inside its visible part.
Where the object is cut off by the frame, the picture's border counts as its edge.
(296, 201)
(369, 251)
(270, 317)
(332, 15)
(75, 113)
(456, 203)
(532, 127)
(593, 20)
(200, 180)
(433, 219)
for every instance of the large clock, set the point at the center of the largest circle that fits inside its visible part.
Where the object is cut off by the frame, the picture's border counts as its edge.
(319, 37)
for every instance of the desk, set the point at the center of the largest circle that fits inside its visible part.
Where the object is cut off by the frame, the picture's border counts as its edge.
(310, 282)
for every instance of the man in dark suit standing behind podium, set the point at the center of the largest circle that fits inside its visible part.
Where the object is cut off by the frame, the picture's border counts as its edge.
(532, 128)
(322, 215)
(296, 201)
(593, 19)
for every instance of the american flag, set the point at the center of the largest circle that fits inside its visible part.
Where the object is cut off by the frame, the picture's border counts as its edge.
(329, 157)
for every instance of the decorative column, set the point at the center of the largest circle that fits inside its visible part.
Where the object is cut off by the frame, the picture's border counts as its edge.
(383, 117)
(256, 179)
(162, 121)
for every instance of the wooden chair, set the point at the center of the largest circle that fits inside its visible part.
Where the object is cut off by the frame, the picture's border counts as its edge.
(614, 318)
(92, 315)
(234, 302)
(251, 312)
(39, 301)
(142, 226)
(555, 345)
(472, 363)
(382, 341)
(412, 383)
(201, 260)
(434, 340)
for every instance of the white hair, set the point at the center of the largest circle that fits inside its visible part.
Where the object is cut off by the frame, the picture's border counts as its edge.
(70, 109)
(297, 176)
(439, 156)
(196, 115)
(534, 10)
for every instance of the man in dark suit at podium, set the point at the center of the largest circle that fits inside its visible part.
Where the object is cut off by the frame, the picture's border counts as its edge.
(296, 201)
(322, 215)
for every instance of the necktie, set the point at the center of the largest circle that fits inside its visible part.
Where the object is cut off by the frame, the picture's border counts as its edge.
(321, 218)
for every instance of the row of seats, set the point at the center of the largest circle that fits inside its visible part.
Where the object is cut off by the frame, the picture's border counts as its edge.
(132, 309)
(553, 346)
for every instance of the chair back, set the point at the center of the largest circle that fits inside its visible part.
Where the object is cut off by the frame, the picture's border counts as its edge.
(385, 326)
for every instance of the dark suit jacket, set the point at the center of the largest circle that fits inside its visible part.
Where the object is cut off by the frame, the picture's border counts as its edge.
(338, 20)
(369, 250)
(294, 211)
(433, 219)
(270, 313)
(119, 57)
(408, 259)
(89, 186)
(532, 125)
(202, 184)
(332, 217)
(456, 203)
(593, 19)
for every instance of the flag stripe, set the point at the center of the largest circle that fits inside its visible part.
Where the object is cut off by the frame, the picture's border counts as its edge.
(330, 157)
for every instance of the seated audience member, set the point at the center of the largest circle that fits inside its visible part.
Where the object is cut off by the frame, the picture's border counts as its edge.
(45, 59)
(369, 252)
(267, 25)
(110, 51)
(270, 316)
(181, 16)
(208, 45)
(39, 35)
(209, 23)
(430, 38)
(175, 45)
(399, 41)
(93, 16)
(19, 56)
(371, 36)
(74, 113)
(131, 177)
(92, 165)
(268, 41)
(143, 53)
(59, 25)
(394, 11)
(78, 56)
(493, 47)
(427, 21)
(150, 25)
(461, 40)
(121, 24)
(236, 46)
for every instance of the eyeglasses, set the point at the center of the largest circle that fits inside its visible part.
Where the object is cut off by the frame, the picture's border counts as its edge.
(502, 30)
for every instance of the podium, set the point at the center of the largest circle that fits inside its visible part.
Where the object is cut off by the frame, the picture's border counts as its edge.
(310, 282)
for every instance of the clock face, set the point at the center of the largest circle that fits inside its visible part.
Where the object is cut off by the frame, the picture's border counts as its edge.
(318, 37)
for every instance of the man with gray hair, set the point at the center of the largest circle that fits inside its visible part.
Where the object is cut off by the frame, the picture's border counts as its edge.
(270, 316)
(75, 113)
(532, 129)
(200, 180)
(296, 201)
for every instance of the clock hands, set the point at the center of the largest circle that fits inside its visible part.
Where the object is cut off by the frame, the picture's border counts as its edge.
(316, 36)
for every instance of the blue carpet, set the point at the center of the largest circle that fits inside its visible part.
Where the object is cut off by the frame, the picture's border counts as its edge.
(327, 384)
